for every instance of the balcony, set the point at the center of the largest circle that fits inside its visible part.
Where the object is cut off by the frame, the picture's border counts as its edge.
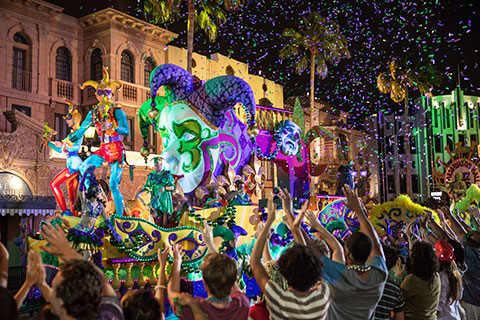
(130, 94)
(267, 118)
(60, 90)
(22, 80)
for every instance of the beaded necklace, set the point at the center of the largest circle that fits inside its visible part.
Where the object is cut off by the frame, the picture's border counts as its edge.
(213, 299)
(360, 268)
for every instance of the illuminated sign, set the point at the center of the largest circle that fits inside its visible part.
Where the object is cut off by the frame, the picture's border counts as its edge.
(467, 168)
(12, 185)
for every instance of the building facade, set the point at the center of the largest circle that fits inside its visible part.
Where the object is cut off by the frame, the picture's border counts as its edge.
(388, 148)
(46, 55)
(336, 143)
(452, 130)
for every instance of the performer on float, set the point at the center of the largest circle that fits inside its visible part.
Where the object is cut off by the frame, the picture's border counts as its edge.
(69, 175)
(160, 184)
(111, 124)
(239, 197)
(83, 237)
(214, 200)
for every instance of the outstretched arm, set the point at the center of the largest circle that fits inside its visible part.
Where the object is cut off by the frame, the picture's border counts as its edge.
(332, 242)
(439, 232)
(174, 283)
(121, 118)
(353, 202)
(456, 226)
(78, 134)
(54, 147)
(161, 284)
(258, 269)
(33, 271)
(4, 256)
(296, 230)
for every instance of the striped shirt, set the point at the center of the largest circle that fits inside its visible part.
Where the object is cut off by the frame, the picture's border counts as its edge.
(391, 301)
(284, 304)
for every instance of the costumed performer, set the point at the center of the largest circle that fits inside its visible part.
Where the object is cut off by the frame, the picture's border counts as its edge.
(230, 240)
(239, 197)
(214, 200)
(111, 124)
(160, 184)
(69, 175)
(84, 237)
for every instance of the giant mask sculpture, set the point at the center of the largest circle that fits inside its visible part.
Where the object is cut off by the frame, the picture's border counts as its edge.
(189, 120)
(289, 136)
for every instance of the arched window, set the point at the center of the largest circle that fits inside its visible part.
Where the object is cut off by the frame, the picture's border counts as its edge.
(63, 64)
(96, 63)
(21, 76)
(149, 66)
(19, 38)
(229, 71)
(126, 72)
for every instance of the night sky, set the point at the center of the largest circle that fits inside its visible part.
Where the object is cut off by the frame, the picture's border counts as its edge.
(448, 32)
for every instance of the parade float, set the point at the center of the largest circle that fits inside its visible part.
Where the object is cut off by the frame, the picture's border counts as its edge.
(210, 168)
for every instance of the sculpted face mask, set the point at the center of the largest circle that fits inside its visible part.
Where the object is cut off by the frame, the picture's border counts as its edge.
(190, 144)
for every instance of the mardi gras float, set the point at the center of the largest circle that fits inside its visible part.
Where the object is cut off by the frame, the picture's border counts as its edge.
(210, 168)
(459, 178)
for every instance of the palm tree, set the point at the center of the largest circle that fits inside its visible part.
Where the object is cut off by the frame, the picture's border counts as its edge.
(317, 41)
(410, 71)
(207, 14)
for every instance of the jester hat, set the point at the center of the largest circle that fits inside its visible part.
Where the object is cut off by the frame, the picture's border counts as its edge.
(229, 234)
(73, 113)
(212, 99)
(104, 84)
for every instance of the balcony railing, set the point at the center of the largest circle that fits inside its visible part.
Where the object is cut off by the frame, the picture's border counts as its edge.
(21, 80)
(129, 92)
(267, 118)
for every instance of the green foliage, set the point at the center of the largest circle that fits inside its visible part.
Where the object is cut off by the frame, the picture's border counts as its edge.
(410, 70)
(208, 13)
(316, 38)
(299, 117)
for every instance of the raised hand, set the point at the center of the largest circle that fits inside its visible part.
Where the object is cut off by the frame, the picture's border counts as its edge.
(58, 242)
(286, 199)
(33, 271)
(353, 202)
(312, 219)
(298, 219)
(271, 208)
(270, 203)
(163, 256)
(178, 253)
(473, 211)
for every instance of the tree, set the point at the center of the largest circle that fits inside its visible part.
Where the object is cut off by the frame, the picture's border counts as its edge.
(207, 14)
(298, 117)
(316, 42)
(410, 71)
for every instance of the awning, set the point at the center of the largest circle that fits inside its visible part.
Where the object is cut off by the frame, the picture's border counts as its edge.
(27, 205)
